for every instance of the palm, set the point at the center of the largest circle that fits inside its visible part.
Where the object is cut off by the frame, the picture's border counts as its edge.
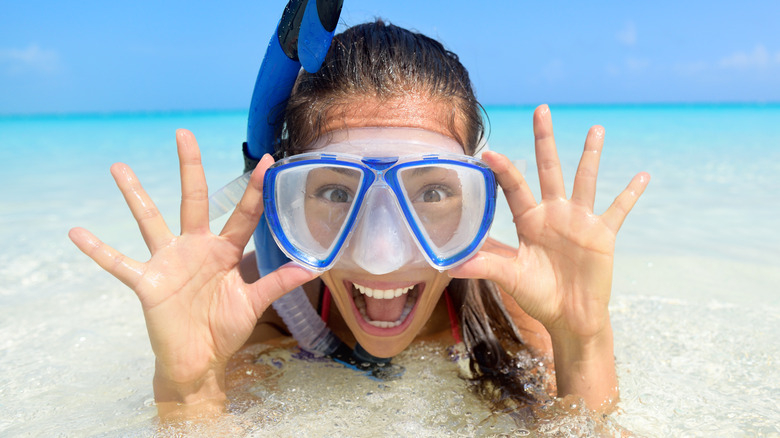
(198, 309)
(566, 253)
(205, 281)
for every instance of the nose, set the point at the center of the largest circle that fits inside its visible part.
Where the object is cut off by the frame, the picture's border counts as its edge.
(381, 242)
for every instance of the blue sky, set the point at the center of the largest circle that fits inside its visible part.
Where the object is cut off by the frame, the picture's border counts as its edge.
(97, 56)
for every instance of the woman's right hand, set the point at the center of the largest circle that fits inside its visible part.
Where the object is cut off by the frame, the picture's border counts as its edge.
(198, 310)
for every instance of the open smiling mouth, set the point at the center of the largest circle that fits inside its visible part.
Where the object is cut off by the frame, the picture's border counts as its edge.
(385, 308)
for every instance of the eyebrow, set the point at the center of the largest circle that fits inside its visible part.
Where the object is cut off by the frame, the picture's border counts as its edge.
(345, 171)
(349, 172)
(422, 170)
(417, 171)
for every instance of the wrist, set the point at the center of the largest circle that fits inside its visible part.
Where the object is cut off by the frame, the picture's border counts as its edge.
(585, 367)
(585, 345)
(202, 396)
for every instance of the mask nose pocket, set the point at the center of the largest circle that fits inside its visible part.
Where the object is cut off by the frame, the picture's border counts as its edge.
(381, 242)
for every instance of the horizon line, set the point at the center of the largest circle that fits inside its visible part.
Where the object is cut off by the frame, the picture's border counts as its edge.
(205, 111)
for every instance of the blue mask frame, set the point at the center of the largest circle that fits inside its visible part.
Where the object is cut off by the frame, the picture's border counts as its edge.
(382, 170)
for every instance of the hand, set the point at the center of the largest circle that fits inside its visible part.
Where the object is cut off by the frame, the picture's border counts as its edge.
(198, 310)
(561, 274)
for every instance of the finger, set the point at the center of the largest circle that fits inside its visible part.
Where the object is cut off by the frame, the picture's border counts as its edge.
(584, 192)
(125, 269)
(499, 269)
(194, 192)
(518, 194)
(547, 162)
(617, 212)
(151, 223)
(239, 227)
(269, 288)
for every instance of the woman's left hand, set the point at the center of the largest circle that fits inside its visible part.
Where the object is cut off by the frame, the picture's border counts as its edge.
(561, 274)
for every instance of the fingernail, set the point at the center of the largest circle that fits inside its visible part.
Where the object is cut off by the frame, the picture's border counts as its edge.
(267, 158)
(542, 114)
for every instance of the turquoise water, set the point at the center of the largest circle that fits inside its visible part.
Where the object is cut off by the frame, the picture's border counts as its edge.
(694, 305)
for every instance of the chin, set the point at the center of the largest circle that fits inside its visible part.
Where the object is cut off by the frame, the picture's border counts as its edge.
(386, 312)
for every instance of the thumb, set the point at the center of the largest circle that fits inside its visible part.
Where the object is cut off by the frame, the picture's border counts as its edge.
(489, 266)
(269, 288)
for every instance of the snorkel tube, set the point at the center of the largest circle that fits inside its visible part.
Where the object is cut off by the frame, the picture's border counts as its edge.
(302, 38)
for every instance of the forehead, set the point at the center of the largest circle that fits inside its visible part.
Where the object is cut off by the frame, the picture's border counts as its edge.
(379, 142)
(408, 110)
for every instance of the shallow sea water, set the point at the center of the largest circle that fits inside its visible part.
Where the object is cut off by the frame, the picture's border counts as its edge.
(694, 307)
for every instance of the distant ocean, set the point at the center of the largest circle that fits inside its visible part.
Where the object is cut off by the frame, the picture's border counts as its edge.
(695, 301)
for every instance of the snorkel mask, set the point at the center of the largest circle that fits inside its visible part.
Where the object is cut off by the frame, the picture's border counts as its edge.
(351, 205)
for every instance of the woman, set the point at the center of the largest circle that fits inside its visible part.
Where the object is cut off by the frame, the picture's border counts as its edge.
(384, 83)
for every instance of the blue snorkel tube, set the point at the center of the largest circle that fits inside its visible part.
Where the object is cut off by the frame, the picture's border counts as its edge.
(302, 38)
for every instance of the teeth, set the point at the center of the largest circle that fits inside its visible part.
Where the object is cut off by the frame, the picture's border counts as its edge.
(384, 324)
(382, 294)
(390, 293)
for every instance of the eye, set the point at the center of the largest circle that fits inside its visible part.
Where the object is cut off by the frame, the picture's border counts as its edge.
(433, 194)
(335, 194)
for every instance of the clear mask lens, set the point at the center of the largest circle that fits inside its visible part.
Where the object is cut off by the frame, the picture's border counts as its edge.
(314, 204)
(447, 202)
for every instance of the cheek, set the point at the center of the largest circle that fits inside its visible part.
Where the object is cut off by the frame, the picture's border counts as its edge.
(436, 286)
(440, 223)
(324, 222)
(341, 296)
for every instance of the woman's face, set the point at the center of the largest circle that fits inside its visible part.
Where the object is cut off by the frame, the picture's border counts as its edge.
(385, 312)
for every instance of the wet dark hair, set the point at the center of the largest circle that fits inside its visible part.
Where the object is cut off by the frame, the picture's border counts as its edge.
(382, 62)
